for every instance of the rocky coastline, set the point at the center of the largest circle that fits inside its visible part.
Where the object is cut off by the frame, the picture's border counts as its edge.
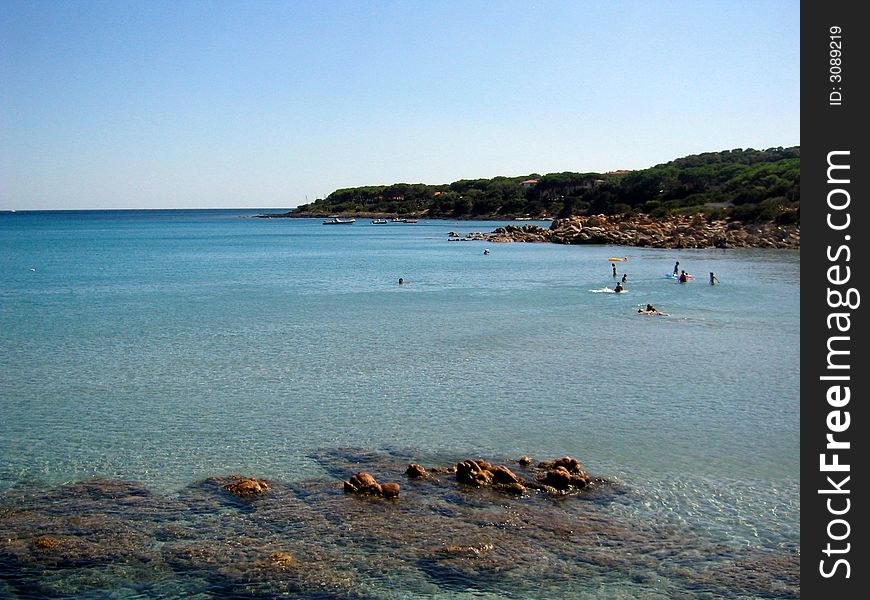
(525, 530)
(675, 232)
(686, 231)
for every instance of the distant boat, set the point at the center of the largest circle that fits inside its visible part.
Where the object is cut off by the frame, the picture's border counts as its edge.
(410, 221)
(379, 221)
(339, 221)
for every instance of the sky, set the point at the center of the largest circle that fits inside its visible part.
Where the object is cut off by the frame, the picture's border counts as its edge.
(268, 104)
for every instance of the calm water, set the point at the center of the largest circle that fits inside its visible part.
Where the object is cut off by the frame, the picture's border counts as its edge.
(168, 347)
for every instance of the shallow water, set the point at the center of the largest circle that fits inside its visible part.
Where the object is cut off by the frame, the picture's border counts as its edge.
(170, 347)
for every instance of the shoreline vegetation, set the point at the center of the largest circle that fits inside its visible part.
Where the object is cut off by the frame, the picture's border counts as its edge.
(728, 199)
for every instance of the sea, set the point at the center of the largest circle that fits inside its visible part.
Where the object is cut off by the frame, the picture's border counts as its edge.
(147, 357)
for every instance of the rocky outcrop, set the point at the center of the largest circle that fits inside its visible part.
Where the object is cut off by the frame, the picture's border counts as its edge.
(480, 473)
(559, 476)
(306, 539)
(247, 487)
(674, 232)
(365, 483)
(563, 474)
(415, 471)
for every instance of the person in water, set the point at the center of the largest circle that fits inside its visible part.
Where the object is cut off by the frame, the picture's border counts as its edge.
(624, 277)
(401, 281)
(614, 270)
(683, 277)
(713, 279)
(486, 250)
(618, 287)
(651, 310)
(677, 268)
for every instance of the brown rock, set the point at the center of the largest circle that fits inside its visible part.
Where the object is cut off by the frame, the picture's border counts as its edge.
(563, 474)
(415, 471)
(558, 478)
(572, 465)
(511, 488)
(364, 483)
(473, 473)
(481, 473)
(390, 490)
(503, 475)
(364, 480)
(525, 461)
(247, 488)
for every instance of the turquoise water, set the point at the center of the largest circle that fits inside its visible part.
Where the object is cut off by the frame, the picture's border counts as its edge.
(167, 347)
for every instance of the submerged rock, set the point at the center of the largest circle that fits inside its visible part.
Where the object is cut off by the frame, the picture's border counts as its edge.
(305, 539)
(284, 559)
(46, 543)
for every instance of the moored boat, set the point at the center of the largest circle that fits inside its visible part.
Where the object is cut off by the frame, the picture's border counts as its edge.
(339, 221)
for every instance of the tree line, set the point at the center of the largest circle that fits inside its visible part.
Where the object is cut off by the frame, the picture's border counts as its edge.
(741, 184)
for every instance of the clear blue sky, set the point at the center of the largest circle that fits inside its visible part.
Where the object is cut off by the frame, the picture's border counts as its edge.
(179, 104)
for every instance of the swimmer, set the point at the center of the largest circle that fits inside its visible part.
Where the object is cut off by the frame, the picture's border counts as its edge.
(651, 310)
(401, 281)
(677, 268)
(486, 250)
(713, 279)
(614, 270)
(684, 277)
(618, 287)
(624, 277)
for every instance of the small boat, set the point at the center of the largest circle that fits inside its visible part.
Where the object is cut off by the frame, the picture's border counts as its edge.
(379, 221)
(339, 221)
(410, 221)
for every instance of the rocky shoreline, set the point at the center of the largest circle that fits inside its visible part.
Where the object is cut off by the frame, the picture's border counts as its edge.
(676, 232)
(524, 531)
(693, 231)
